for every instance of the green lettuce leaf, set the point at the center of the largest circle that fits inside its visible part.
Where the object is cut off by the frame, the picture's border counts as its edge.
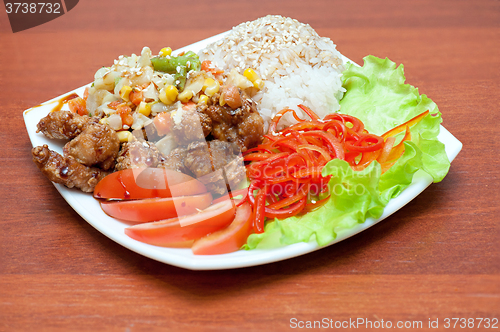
(376, 94)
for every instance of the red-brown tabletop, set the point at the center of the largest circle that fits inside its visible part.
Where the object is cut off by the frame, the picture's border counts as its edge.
(434, 263)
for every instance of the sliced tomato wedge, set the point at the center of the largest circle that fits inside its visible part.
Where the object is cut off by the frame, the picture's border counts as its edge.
(229, 239)
(136, 183)
(152, 209)
(191, 227)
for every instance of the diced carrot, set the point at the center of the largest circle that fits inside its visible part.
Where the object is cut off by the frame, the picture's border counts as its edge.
(114, 104)
(136, 96)
(124, 111)
(78, 105)
(189, 105)
(210, 68)
(128, 120)
(162, 123)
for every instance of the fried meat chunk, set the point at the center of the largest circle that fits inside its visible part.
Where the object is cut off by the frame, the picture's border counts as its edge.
(175, 161)
(216, 164)
(227, 156)
(66, 170)
(243, 125)
(63, 124)
(138, 154)
(189, 125)
(97, 145)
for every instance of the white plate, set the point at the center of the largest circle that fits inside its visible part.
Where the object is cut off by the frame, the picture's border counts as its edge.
(88, 208)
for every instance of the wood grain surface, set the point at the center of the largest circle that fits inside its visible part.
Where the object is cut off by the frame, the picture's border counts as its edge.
(436, 258)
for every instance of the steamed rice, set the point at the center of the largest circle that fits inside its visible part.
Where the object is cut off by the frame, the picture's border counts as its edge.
(297, 65)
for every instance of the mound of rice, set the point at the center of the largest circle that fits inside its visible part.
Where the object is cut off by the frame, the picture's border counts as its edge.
(297, 65)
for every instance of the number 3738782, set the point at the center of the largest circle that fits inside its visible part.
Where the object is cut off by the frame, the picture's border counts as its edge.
(33, 8)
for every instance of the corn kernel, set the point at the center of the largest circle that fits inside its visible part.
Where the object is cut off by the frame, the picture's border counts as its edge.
(251, 74)
(165, 51)
(203, 99)
(144, 108)
(212, 87)
(104, 121)
(171, 92)
(185, 95)
(168, 94)
(258, 84)
(163, 97)
(125, 92)
(124, 136)
(208, 82)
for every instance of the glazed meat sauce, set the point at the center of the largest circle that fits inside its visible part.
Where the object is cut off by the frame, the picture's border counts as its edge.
(243, 125)
(66, 170)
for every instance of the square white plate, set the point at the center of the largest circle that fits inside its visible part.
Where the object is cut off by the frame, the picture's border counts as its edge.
(88, 208)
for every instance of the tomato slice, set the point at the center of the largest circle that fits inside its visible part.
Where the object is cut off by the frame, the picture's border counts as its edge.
(229, 239)
(136, 183)
(151, 209)
(191, 227)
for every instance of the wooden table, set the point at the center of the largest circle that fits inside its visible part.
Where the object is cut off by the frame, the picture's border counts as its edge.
(436, 258)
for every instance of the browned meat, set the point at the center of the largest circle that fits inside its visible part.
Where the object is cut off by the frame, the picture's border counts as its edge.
(175, 161)
(189, 125)
(97, 145)
(63, 124)
(66, 170)
(198, 159)
(250, 130)
(147, 133)
(215, 163)
(235, 172)
(227, 157)
(138, 154)
(243, 126)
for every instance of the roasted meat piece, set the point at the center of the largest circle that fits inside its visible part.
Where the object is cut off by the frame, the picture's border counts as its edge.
(138, 154)
(227, 156)
(189, 125)
(243, 126)
(96, 145)
(66, 170)
(250, 130)
(63, 124)
(175, 161)
(197, 159)
(216, 163)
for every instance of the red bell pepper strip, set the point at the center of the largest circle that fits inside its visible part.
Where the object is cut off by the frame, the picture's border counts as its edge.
(386, 150)
(286, 168)
(367, 143)
(309, 112)
(402, 127)
(399, 149)
(291, 211)
(259, 210)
